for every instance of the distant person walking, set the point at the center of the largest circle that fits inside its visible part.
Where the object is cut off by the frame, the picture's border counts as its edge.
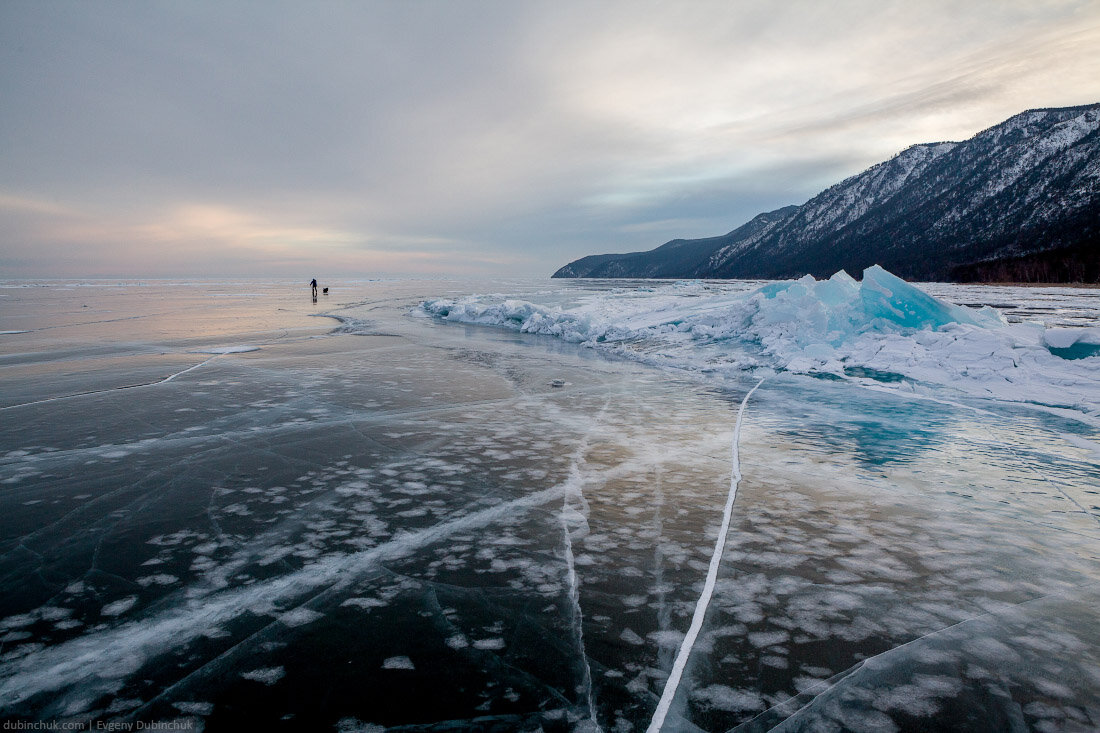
(313, 284)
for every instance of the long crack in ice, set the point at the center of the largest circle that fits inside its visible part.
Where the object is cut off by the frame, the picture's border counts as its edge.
(678, 666)
(169, 378)
(574, 519)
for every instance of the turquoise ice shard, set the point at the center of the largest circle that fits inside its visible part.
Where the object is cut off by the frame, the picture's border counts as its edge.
(837, 290)
(892, 299)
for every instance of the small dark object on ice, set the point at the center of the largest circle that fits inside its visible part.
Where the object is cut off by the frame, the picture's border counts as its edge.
(324, 290)
(557, 383)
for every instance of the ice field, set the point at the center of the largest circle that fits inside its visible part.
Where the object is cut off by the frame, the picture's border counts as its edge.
(499, 505)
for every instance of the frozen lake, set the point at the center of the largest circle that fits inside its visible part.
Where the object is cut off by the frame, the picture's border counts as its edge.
(498, 505)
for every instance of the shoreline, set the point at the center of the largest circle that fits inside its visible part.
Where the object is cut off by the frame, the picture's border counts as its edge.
(1079, 285)
(1082, 286)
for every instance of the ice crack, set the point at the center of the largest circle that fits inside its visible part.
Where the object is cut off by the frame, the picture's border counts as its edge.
(678, 666)
(574, 513)
(169, 378)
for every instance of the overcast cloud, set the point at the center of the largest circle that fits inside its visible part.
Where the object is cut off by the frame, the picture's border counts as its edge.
(203, 138)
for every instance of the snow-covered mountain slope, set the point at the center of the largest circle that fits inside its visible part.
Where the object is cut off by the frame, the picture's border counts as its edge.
(1019, 201)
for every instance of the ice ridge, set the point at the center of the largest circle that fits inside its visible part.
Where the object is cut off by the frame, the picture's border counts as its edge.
(881, 328)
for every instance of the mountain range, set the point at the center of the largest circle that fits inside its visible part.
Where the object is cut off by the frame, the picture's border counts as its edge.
(1019, 201)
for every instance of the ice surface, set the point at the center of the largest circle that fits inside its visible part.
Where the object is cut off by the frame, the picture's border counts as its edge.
(378, 521)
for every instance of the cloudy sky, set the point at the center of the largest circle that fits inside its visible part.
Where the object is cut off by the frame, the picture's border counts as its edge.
(165, 138)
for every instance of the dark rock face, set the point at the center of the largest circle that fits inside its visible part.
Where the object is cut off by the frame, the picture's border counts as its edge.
(1019, 201)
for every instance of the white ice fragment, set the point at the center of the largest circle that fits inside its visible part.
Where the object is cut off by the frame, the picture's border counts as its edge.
(18, 621)
(920, 697)
(725, 698)
(667, 638)
(119, 607)
(398, 663)
(1054, 688)
(194, 708)
(457, 641)
(299, 617)
(354, 725)
(1073, 343)
(266, 675)
(1062, 338)
(365, 603)
(122, 704)
(762, 639)
(274, 554)
(54, 613)
(158, 579)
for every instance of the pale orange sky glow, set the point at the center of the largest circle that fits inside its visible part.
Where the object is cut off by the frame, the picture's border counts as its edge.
(170, 139)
